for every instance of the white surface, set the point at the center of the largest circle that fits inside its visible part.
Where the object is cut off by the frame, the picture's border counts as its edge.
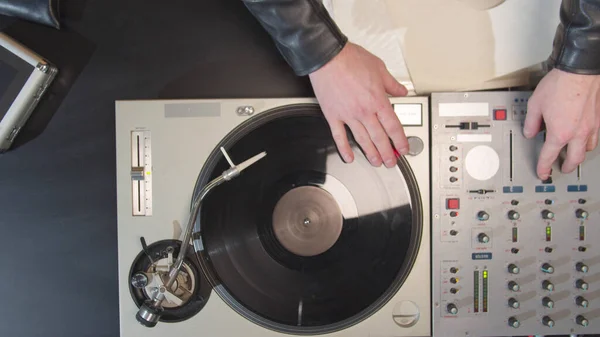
(523, 33)
(482, 162)
(520, 36)
(375, 31)
(464, 109)
(473, 138)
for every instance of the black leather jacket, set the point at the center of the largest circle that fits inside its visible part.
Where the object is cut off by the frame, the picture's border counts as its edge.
(308, 38)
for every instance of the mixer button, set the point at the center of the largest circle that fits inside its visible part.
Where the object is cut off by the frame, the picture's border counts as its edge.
(513, 215)
(548, 302)
(581, 267)
(581, 284)
(452, 203)
(513, 303)
(582, 302)
(547, 321)
(547, 285)
(581, 214)
(548, 215)
(452, 309)
(582, 320)
(483, 238)
(513, 269)
(483, 216)
(547, 268)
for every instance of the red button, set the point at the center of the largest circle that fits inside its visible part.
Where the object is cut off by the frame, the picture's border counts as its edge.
(500, 115)
(452, 203)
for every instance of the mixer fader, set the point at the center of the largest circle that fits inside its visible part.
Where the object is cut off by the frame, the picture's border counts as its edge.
(512, 254)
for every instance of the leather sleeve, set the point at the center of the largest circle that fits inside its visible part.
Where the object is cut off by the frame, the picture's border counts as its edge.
(303, 31)
(576, 46)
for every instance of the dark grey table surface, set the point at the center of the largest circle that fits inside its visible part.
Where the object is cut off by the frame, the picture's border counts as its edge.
(58, 221)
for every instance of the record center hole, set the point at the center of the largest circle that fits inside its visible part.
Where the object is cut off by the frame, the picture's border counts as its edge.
(306, 221)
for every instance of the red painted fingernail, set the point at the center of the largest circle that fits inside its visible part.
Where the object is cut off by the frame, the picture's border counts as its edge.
(397, 153)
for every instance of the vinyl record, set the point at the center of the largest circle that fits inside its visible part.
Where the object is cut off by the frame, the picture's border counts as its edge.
(302, 242)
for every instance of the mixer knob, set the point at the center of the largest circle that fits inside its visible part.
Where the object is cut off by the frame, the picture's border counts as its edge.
(581, 214)
(483, 238)
(483, 216)
(454, 270)
(513, 286)
(582, 320)
(453, 290)
(547, 268)
(548, 215)
(581, 267)
(582, 302)
(548, 249)
(547, 321)
(452, 309)
(513, 303)
(581, 249)
(453, 232)
(513, 269)
(513, 322)
(548, 302)
(547, 285)
(513, 215)
(453, 280)
(514, 250)
(581, 284)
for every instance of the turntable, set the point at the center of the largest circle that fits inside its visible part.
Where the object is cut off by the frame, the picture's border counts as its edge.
(280, 236)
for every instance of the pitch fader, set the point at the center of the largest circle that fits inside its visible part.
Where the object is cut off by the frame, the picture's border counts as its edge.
(512, 255)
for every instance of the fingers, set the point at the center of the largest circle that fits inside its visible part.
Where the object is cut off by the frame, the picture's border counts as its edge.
(394, 129)
(381, 140)
(340, 137)
(575, 155)
(548, 155)
(593, 141)
(364, 140)
(392, 86)
(533, 120)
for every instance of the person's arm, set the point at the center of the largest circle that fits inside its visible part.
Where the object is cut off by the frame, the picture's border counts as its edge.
(568, 97)
(302, 30)
(351, 84)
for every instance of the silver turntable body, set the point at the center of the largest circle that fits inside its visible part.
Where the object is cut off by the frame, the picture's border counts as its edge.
(161, 147)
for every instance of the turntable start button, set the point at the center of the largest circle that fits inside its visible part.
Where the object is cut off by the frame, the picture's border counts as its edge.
(406, 314)
(415, 145)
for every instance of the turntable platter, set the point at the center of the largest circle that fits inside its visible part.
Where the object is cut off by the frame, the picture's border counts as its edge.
(303, 242)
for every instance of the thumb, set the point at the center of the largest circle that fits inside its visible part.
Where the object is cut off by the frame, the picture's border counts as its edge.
(392, 86)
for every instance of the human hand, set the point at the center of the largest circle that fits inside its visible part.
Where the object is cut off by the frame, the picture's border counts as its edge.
(352, 90)
(569, 104)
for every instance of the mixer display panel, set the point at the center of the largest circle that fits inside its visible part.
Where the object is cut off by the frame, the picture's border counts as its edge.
(512, 254)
